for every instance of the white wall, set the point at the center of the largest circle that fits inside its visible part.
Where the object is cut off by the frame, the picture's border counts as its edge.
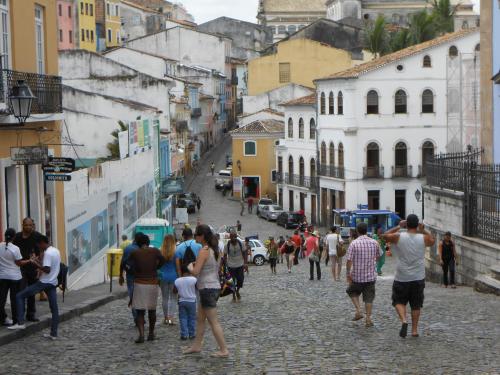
(272, 99)
(142, 62)
(262, 115)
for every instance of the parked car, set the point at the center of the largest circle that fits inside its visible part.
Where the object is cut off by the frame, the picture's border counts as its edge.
(289, 220)
(187, 203)
(190, 196)
(263, 202)
(223, 179)
(258, 252)
(271, 212)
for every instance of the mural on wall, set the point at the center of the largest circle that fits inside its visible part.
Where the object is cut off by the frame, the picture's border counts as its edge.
(79, 246)
(129, 210)
(113, 221)
(145, 198)
(99, 232)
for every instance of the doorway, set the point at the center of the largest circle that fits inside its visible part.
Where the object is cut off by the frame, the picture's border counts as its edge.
(313, 209)
(251, 187)
(400, 203)
(290, 200)
(280, 197)
(302, 201)
(374, 199)
(324, 205)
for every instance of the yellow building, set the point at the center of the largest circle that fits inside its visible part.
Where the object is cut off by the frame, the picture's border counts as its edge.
(299, 61)
(29, 44)
(86, 25)
(254, 162)
(113, 23)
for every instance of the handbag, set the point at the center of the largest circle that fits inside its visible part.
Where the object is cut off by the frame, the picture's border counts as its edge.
(227, 282)
(341, 250)
(314, 256)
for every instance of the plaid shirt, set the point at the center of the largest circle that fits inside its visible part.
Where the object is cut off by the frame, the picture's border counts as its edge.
(363, 253)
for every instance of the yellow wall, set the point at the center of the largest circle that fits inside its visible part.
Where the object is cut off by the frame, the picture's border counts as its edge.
(309, 60)
(260, 165)
(113, 23)
(23, 49)
(86, 22)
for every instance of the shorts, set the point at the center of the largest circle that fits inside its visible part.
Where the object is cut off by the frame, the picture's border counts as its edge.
(366, 289)
(239, 274)
(408, 292)
(335, 259)
(209, 298)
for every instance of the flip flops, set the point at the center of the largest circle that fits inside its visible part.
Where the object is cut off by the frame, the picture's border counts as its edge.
(404, 330)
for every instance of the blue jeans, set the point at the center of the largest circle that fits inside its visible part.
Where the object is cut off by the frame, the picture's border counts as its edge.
(187, 318)
(130, 290)
(32, 290)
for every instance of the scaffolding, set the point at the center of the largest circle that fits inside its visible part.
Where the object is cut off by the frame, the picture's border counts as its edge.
(463, 112)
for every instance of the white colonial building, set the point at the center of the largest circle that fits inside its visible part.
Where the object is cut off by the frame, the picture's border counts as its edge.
(298, 182)
(378, 123)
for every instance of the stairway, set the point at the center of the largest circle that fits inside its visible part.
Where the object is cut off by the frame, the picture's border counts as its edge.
(489, 283)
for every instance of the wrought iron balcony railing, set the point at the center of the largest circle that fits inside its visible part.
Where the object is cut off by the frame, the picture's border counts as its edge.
(402, 171)
(331, 171)
(47, 90)
(373, 172)
(307, 182)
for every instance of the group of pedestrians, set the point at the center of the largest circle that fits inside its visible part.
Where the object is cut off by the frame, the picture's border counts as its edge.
(186, 275)
(29, 265)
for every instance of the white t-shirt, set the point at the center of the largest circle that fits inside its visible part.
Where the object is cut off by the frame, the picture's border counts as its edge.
(52, 259)
(186, 287)
(9, 270)
(332, 240)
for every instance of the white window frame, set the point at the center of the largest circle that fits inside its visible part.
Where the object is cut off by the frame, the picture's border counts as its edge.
(39, 39)
(245, 148)
(5, 42)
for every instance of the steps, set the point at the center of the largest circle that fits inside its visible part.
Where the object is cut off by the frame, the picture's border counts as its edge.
(489, 283)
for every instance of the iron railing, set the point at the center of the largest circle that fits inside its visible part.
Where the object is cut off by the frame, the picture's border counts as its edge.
(46, 89)
(448, 171)
(331, 171)
(402, 171)
(373, 172)
(311, 183)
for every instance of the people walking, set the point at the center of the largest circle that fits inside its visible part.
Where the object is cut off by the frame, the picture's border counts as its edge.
(198, 203)
(147, 261)
(409, 282)
(127, 267)
(333, 241)
(281, 242)
(236, 258)
(238, 226)
(272, 252)
(212, 168)
(185, 286)
(10, 276)
(168, 275)
(206, 269)
(361, 275)
(188, 243)
(250, 204)
(49, 269)
(312, 252)
(297, 240)
(125, 242)
(448, 259)
(27, 240)
(288, 248)
(242, 204)
(381, 242)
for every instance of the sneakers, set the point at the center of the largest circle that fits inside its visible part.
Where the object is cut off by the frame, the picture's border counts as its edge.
(17, 326)
(49, 336)
(7, 322)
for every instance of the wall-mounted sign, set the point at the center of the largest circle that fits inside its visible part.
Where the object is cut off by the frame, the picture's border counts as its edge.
(29, 155)
(59, 165)
(58, 177)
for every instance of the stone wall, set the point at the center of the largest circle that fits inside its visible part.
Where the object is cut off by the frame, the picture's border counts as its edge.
(444, 212)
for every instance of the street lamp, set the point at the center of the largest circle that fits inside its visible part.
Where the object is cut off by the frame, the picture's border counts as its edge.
(20, 101)
(418, 195)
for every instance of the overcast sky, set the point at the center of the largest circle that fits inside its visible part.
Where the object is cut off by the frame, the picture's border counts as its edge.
(205, 10)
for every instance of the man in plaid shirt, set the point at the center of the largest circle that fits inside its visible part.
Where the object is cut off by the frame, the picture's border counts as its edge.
(361, 272)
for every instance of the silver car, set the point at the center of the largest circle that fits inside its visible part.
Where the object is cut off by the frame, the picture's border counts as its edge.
(270, 212)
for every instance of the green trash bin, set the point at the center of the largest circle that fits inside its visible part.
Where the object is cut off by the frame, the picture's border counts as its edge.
(114, 260)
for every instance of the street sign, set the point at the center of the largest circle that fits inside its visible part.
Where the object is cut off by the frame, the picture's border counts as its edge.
(57, 177)
(29, 155)
(59, 165)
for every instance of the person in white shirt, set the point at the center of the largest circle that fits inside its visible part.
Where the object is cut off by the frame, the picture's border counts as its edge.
(10, 275)
(186, 288)
(332, 240)
(47, 283)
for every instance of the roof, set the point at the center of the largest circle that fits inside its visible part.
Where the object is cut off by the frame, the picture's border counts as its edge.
(305, 100)
(137, 6)
(359, 70)
(233, 20)
(139, 51)
(303, 6)
(262, 127)
(267, 110)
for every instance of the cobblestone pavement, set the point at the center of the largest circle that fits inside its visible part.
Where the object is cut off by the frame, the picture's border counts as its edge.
(285, 324)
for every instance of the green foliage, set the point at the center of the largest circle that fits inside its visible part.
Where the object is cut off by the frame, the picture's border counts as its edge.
(442, 15)
(422, 27)
(114, 147)
(377, 38)
(400, 40)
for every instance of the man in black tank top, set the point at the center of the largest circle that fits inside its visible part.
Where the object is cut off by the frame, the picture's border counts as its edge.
(448, 260)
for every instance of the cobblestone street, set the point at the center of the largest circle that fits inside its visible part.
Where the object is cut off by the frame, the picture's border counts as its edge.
(285, 324)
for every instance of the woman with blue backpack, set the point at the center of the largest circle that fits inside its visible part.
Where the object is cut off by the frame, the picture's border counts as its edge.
(168, 275)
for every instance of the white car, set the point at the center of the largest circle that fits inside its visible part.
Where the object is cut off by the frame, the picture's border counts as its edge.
(258, 255)
(271, 212)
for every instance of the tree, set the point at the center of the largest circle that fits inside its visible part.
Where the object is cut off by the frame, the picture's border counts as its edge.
(114, 147)
(400, 40)
(443, 14)
(422, 27)
(376, 37)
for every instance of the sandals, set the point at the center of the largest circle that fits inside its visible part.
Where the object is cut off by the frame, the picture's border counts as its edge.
(404, 330)
(357, 317)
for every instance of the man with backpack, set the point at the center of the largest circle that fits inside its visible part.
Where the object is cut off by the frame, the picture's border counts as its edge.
(47, 283)
(187, 251)
(236, 258)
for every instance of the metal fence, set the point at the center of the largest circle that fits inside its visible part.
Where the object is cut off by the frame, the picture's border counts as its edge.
(480, 185)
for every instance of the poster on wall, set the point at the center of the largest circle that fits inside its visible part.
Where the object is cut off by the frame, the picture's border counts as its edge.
(145, 199)
(112, 220)
(99, 232)
(236, 184)
(129, 210)
(79, 246)
(139, 135)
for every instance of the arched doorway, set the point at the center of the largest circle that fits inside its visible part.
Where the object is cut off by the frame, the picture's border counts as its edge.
(427, 154)
(372, 160)
(401, 160)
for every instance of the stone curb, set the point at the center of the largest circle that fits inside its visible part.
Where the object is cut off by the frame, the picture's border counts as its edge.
(64, 315)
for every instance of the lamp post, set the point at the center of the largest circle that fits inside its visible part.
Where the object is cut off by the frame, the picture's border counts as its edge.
(419, 196)
(20, 101)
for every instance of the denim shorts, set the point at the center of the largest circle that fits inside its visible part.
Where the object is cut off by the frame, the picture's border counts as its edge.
(209, 298)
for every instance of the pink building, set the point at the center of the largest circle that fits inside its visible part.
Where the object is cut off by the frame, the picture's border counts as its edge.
(65, 24)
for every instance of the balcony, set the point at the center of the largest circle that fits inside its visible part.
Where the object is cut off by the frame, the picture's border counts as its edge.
(311, 183)
(47, 90)
(195, 112)
(327, 170)
(373, 172)
(402, 171)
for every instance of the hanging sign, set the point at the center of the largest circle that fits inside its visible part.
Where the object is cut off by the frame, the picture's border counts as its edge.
(29, 155)
(59, 165)
(58, 177)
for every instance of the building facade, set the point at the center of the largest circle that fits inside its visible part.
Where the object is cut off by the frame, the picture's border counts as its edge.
(29, 48)
(66, 24)
(85, 26)
(496, 88)
(254, 170)
(108, 24)
(379, 122)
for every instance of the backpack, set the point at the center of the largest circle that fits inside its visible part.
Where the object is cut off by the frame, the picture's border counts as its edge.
(62, 278)
(189, 256)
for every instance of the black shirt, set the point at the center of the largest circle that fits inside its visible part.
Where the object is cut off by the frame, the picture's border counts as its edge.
(28, 246)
